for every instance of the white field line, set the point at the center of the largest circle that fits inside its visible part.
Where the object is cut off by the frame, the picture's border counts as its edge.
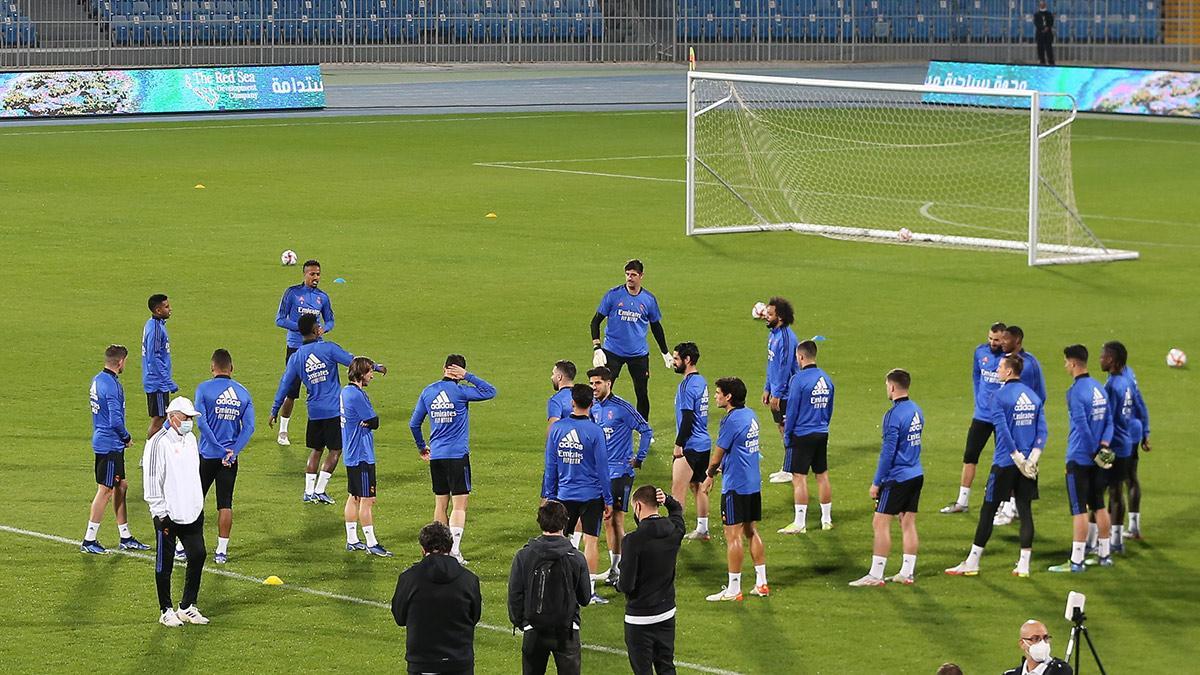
(208, 569)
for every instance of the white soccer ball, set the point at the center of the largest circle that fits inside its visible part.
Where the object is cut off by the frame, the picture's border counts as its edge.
(1176, 358)
(287, 258)
(904, 234)
(759, 311)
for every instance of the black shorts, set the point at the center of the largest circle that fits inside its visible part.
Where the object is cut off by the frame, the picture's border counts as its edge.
(738, 508)
(1085, 487)
(781, 414)
(156, 403)
(805, 452)
(326, 433)
(1008, 481)
(110, 468)
(360, 479)
(588, 515)
(294, 392)
(213, 471)
(699, 463)
(622, 490)
(1118, 473)
(977, 438)
(902, 497)
(639, 366)
(451, 476)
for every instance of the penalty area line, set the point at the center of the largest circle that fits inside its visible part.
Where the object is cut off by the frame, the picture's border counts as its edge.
(332, 596)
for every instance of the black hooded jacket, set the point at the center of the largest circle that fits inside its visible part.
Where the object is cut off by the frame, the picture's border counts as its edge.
(438, 600)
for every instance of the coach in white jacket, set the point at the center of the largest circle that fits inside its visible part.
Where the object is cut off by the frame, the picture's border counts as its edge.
(171, 480)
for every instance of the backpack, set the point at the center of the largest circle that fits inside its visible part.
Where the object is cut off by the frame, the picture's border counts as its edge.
(549, 595)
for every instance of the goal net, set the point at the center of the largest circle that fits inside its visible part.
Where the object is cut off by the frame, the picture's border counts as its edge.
(943, 166)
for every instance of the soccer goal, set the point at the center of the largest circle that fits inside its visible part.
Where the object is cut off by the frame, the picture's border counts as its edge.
(913, 164)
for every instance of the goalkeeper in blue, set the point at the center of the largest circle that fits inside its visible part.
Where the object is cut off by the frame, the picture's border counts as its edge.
(1018, 417)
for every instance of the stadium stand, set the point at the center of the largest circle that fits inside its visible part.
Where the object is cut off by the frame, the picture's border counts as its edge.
(16, 29)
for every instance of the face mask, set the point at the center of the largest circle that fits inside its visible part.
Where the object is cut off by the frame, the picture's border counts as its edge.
(185, 427)
(1040, 652)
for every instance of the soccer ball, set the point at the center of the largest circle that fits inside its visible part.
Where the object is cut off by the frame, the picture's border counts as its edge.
(759, 311)
(287, 258)
(904, 234)
(1176, 358)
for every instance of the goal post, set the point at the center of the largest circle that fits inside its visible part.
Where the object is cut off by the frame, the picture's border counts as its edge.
(955, 167)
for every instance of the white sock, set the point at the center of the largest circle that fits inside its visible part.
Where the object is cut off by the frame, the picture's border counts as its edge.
(1103, 548)
(908, 564)
(283, 424)
(1093, 531)
(352, 532)
(222, 544)
(93, 529)
(878, 562)
(369, 533)
(801, 515)
(1023, 561)
(735, 583)
(123, 528)
(1077, 548)
(310, 483)
(456, 534)
(760, 575)
(1135, 521)
(702, 524)
(576, 537)
(1115, 536)
(614, 560)
(323, 481)
(593, 584)
(974, 556)
(964, 496)
(827, 512)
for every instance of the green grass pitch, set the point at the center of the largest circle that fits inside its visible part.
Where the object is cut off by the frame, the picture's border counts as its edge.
(96, 218)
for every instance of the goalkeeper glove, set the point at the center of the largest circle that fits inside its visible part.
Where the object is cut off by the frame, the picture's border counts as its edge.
(669, 361)
(1028, 466)
(599, 358)
(1104, 458)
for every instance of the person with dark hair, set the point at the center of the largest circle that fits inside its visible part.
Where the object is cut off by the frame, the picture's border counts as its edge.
(447, 405)
(1089, 435)
(950, 669)
(562, 378)
(1031, 376)
(618, 420)
(737, 457)
(439, 602)
(576, 474)
(547, 585)
(1043, 24)
(806, 431)
(303, 298)
(648, 581)
(1131, 427)
(226, 423)
(109, 440)
(984, 382)
(693, 445)
(359, 422)
(896, 487)
(1019, 418)
(315, 363)
(157, 380)
(781, 366)
(630, 311)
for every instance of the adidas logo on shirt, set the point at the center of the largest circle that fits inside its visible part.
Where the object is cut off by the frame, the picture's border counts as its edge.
(752, 432)
(915, 425)
(821, 388)
(1098, 397)
(441, 409)
(313, 363)
(1024, 404)
(1127, 404)
(315, 369)
(571, 440)
(228, 397)
(94, 398)
(570, 448)
(441, 402)
(819, 399)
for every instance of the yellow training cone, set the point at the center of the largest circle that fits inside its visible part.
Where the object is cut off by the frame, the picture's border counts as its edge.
(491, 215)
(273, 581)
(199, 186)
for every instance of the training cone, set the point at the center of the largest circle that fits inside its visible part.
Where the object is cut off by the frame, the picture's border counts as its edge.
(491, 215)
(199, 186)
(273, 581)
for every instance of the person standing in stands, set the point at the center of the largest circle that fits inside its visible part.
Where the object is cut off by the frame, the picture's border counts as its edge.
(1043, 24)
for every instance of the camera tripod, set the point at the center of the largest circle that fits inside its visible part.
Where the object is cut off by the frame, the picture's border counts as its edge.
(1078, 628)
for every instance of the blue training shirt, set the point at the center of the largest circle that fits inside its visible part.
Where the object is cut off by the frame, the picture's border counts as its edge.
(693, 395)
(984, 379)
(560, 404)
(1090, 423)
(738, 437)
(445, 402)
(1019, 416)
(358, 441)
(1031, 374)
(575, 462)
(781, 360)
(226, 419)
(315, 364)
(297, 301)
(619, 420)
(809, 403)
(156, 357)
(629, 317)
(900, 452)
(1126, 406)
(107, 399)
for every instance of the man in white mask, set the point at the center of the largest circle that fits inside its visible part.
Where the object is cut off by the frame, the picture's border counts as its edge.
(171, 479)
(1035, 644)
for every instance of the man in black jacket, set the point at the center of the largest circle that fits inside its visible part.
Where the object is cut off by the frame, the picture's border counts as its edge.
(1043, 24)
(438, 600)
(1035, 644)
(648, 580)
(548, 584)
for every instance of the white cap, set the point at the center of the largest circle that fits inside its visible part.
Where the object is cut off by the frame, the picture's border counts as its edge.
(181, 404)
